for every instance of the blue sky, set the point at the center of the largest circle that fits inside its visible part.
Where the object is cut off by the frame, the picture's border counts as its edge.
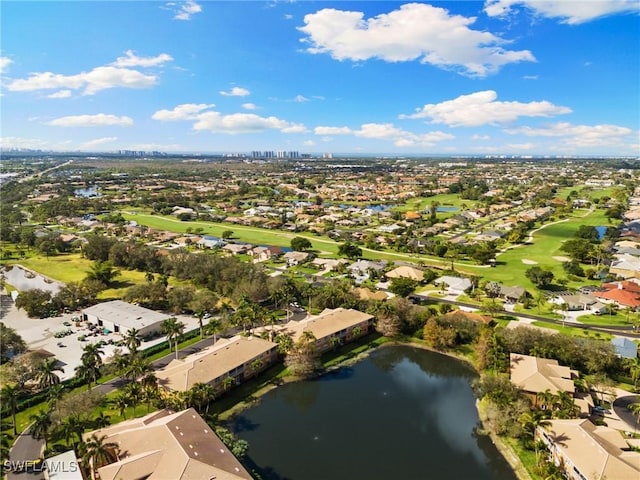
(514, 77)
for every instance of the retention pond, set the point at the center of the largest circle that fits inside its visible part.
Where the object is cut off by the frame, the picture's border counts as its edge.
(401, 413)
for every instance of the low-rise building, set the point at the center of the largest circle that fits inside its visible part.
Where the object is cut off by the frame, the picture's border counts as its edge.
(163, 445)
(345, 324)
(586, 451)
(238, 357)
(120, 317)
(535, 375)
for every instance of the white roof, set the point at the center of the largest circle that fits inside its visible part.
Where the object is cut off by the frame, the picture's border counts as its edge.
(125, 314)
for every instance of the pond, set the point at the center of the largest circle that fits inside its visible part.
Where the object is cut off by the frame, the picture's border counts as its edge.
(401, 413)
(446, 209)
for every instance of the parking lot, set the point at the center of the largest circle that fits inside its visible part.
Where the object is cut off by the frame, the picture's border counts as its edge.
(47, 334)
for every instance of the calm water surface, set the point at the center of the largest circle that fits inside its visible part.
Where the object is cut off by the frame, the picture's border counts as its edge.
(401, 414)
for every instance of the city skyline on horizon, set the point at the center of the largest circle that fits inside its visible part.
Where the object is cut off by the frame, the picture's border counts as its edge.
(349, 78)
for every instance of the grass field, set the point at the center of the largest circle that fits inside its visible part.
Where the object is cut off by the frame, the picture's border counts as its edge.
(73, 268)
(574, 331)
(547, 242)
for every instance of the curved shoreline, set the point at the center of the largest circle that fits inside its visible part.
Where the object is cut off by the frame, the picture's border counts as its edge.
(503, 448)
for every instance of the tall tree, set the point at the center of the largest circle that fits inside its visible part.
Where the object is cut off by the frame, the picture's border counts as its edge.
(173, 329)
(46, 373)
(41, 425)
(9, 395)
(99, 453)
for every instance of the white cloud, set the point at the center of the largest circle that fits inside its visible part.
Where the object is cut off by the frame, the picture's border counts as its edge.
(387, 131)
(309, 143)
(243, 123)
(412, 32)
(186, 111)
(300, 99)
(218, 123)
(480, 137)
(332, 131)
(4, 63)
(288, 16)
(33, 143)
(570, 12)
(60, 94)
(100, 78)
(481, 108)
(578, 135)
(97, 120)
(186, 10)
(131, 60)
(98, 141)
(235, 92)
(530, 77)
(249, 106)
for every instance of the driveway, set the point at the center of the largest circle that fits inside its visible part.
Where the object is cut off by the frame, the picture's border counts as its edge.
(621, 409)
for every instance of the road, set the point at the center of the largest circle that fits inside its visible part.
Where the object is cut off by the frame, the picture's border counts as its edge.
(627, 331)
(621, 407)
(28, 448)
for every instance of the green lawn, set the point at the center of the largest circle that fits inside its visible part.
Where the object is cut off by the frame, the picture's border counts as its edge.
(547, 242)
(619, 319)
(573, 331)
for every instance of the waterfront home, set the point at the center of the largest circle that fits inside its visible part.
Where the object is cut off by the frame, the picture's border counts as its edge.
(341, 324)
(586, 451)
(238, 357)
(164, 444)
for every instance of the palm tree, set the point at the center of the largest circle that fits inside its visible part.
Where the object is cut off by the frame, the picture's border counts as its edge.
(101, 421)
(89, 373)
(99, 453)
(73, 425)
(103, 272)
(530, 422)
(635, 409)
(634, 371)
(121, 402)
(41, 425)
(214, 327)
(132, 340)
(9, 395)
(92, 354)
(54, 394)
(134, 394)
(173, 329)
(46, 373)
(546, 399)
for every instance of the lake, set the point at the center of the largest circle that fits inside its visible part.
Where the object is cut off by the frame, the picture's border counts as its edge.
(401, 413)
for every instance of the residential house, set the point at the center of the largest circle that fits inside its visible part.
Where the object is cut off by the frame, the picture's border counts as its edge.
(164, 444)
(624, 293)
(511, 294)
(454, 285)
(586, 451)
(580, 301)
(210, 242)
(238, 357)
(625, 265)
(368, 294)
(405, 271)
(455, 315)
(296, 258)
(263, 254)
(536, 375)
(236, 248)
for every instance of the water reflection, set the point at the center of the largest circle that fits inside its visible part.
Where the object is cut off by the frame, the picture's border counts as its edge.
(403, 413)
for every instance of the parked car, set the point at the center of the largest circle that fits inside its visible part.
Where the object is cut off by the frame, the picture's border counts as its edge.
(601, 410)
